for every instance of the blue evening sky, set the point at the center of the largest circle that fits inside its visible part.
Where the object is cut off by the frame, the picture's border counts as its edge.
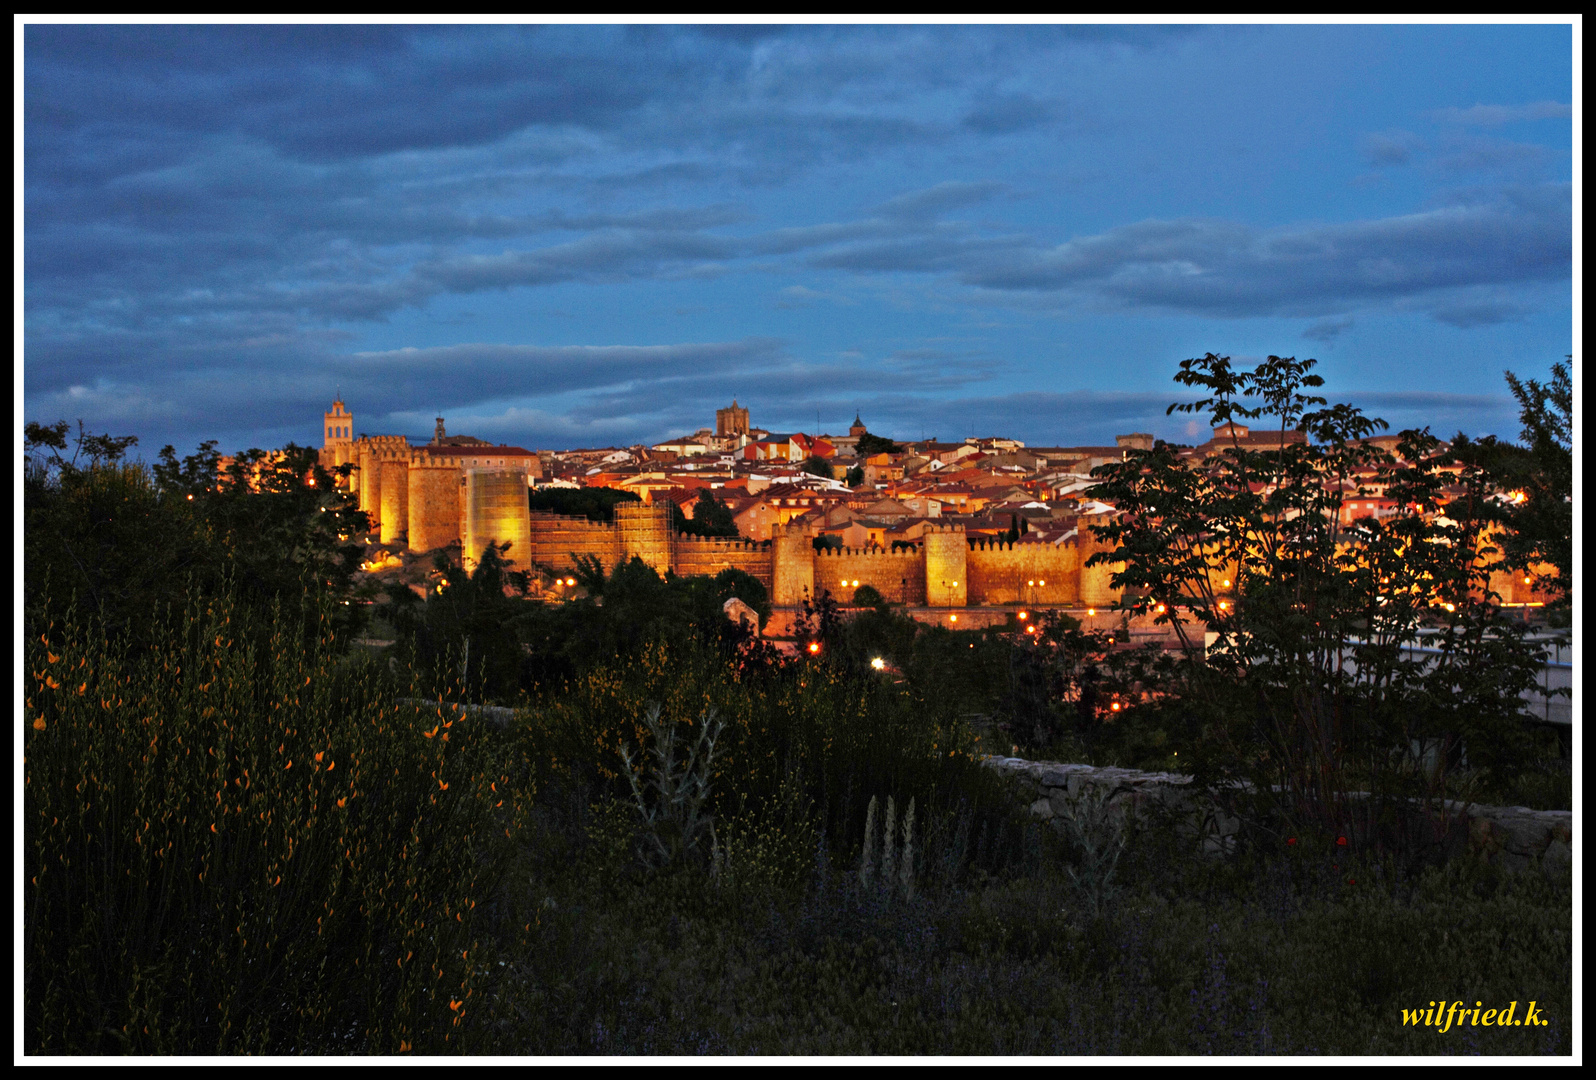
(593, 235)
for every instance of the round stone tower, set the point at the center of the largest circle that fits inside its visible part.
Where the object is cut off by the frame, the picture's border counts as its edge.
(368, 480)
(646, 534)
(1095, 588)
(395, 496)
(435, 490)
(497, 512)
(946, 583)
(792, 564)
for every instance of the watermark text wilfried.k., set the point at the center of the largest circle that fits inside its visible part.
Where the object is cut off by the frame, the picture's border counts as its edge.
(1446, 1015)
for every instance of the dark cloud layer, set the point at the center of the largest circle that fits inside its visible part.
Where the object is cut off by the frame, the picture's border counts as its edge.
(221, 220)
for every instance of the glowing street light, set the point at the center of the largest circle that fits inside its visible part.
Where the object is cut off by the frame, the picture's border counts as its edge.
(814, 647)
(879, 664)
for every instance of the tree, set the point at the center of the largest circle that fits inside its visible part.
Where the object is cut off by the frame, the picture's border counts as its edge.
(1309, 689)
(120, 539)
(595, 504)
(870, 445)
(1541, 517)
(816, 465)
(711, 517)
(855, 476)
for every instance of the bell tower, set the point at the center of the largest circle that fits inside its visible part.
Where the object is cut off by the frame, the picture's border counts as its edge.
(337, 436)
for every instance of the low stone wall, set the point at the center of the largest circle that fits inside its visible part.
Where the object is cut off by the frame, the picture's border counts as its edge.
(1512, 837)
(497, 715)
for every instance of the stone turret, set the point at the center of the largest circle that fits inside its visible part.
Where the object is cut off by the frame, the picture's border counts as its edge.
(946, 581)
(434, 502)
(646, 534)
(395, 498)
(792, 567)
(496, 512)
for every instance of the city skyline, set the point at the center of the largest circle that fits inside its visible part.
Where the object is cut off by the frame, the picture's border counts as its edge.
(572, 236)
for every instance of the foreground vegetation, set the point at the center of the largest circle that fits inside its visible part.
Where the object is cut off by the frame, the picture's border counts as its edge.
(242, 837)
(239, 841)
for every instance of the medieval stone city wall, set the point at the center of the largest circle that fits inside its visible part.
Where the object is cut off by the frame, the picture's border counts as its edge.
(646, 533)
(1004, 573)
(435, 490)
(792, 565)
(708, 556)
(946, 548)
(497, 513)
(395, 497)
(556, 539)
(899, 576)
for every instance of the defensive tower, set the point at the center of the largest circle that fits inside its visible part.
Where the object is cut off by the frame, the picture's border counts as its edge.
(497, 512)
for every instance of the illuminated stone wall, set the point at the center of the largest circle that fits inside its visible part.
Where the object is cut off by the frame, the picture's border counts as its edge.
(556, 539)
(707, 556)
(792, 569)
(435, 497)
(646, 533)
(946, 581)
(1004, 573)
(497, 512)
(899, 576)
(1095, 588)
(395, 512)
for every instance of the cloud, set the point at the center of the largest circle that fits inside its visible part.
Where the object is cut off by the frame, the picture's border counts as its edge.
(801, 296)
(1443, 413)
(1001, 114)
(1327, 330)
(1468, 313)
(608, 255)
(1497, 115)
(483, 372)
(1082, 418)
(933, 201)
(1391, 147)
(1494, 155)
(1229, 269)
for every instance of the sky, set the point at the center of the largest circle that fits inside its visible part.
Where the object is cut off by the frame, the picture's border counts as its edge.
(565, 236)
